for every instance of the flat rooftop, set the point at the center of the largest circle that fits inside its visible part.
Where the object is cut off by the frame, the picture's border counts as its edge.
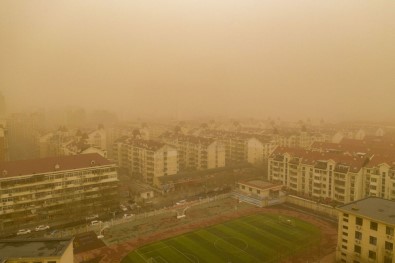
(372, 207)
(33, 248)
(260, 184)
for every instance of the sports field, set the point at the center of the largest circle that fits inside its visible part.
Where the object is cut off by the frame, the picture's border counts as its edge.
(256, 238)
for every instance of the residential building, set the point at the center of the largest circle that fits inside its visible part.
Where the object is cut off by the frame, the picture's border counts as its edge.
(56, 190)
(197, 153)
(380, 176)
(366, 231)
(44, 250)
(327, 176)
(145, 159)
(4, 154)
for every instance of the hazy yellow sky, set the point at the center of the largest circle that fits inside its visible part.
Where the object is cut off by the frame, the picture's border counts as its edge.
(293, 59)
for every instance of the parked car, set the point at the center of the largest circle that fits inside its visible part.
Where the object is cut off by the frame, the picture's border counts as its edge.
(123, 208)
(42, 228)
(128, 215)
(95, 222)
(92, 217)
(23, 231)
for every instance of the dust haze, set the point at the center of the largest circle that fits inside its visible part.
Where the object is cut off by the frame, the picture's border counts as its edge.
(321, 59)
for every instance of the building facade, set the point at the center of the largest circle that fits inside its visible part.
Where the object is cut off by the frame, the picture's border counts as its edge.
(322, 176)
(197, 153)
(145, 159)
(56, 190)
(366, 231)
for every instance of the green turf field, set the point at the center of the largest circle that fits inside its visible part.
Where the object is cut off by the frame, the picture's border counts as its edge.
(257, 238)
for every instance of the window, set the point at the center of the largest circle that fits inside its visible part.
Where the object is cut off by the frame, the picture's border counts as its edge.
(372, 254)
(345, 234)
(344, 247)
(389, 230)
(372, 240)
(258, 191)
(387, 259)
(373, 226)
(250, 189)
(358, 235)
(357, 249)
(358, 221)
(389, 245)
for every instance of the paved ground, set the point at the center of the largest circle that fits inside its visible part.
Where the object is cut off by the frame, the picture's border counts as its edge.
(122, 239)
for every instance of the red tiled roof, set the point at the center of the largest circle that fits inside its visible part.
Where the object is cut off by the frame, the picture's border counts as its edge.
(311, 157)
(44, 165)
(382, 159)
(146, 144)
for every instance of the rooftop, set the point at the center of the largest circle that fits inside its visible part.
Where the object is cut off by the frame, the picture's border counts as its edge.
(319, 158)
(260, 184)
(145, 144)
(374, 208)
(33, 248)
(51, 164)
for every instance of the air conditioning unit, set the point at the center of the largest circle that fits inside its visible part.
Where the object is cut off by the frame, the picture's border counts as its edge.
(357, 254)
(357, 241)
(390, 236)
(358, 227)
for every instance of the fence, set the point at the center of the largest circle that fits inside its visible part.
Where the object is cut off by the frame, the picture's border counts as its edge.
(312, 205)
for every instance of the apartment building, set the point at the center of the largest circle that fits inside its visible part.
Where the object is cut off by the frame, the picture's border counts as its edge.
(4, 156)
(299, 139)
(380, 177)
(56, 190)
(43, 250)
(197, 153)
(366, 231)
(242, 147)
(319, 175)
(145, 159)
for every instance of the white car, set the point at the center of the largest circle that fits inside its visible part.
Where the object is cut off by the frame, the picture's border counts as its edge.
(123, 208)
(41, 228)
(128, 215)
(95, 222)
(23, 232)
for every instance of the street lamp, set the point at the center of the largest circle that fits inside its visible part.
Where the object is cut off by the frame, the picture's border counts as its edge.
(100, 236)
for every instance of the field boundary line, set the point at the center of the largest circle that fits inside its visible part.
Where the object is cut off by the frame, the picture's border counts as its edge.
(138, 253)
(162, 258)
(181, 253)
(153, 250)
